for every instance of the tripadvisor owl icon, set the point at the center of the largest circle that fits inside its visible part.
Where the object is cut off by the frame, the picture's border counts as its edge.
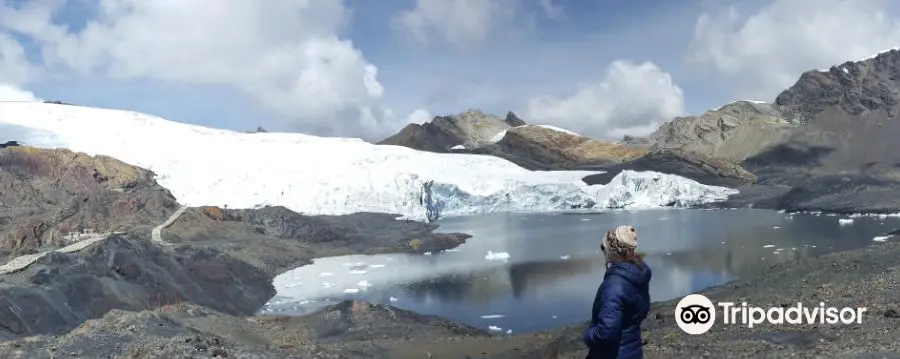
(695, 314)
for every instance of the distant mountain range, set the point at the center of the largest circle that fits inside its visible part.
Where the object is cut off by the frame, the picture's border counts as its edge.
(829, 142)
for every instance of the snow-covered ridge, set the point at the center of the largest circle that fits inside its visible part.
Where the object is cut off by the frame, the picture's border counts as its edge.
(499, 136)
(321, 175)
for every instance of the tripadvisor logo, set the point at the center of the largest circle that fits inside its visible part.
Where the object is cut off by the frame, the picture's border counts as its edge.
(696, 314)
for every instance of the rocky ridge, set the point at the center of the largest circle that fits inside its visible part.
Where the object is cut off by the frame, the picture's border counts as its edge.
(529, 146)
(825, 144)
(469, 129)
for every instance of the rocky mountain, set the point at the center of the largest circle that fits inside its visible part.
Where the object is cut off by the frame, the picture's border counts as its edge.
(736, 131)
(546, 148)
(469, 129)
(827, 143)
(530, 146)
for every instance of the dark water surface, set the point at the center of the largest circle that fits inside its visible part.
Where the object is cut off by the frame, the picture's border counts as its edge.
(554, 265)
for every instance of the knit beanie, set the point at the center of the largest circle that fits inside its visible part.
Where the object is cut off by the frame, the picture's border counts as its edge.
(620, 243)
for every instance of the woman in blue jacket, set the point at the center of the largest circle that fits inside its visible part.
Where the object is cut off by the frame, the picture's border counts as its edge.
(622, 301)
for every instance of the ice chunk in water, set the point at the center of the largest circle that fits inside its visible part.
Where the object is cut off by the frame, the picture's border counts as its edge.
(499, 256)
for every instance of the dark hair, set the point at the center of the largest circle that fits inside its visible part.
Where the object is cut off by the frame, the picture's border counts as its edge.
(634, 258)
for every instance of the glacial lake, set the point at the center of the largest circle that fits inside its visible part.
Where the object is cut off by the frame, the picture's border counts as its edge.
(530, 272)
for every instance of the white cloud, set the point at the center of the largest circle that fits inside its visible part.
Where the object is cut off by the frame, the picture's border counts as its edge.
(12, 93)
(419, 116)
(631, 99)
(459, 22)
(552, 10)
(285, 53)
(766, 52)
(14, 67)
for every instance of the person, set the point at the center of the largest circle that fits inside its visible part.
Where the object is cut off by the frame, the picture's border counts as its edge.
(622, 301)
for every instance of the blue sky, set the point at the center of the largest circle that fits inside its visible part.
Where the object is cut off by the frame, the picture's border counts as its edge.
(365, 68)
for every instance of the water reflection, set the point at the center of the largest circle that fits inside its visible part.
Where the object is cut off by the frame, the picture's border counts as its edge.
(554, 267)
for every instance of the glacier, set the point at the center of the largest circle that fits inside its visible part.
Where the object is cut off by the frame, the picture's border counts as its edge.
(203, 166)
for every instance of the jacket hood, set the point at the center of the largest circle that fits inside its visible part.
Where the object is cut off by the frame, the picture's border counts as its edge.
(637, 275)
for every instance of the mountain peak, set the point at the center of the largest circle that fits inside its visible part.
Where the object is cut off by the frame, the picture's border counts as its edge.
(854, 86)
(513, 120)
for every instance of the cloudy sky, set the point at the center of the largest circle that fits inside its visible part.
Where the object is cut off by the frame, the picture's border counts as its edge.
(366, 68)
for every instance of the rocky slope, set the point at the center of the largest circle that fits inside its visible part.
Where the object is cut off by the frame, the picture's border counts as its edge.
(529, 146)
(469, 129)
(736, 131)
(825, 144)
(47, 194)
(705, 169)
(537, 147)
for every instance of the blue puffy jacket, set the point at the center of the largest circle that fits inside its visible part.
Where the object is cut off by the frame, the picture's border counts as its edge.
(621, 304)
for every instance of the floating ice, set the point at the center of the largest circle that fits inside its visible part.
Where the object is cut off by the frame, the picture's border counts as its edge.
(769, 246)
(565, 257)
(845, 221)
(492, 316)
(776, 227)
(364, 284)
(499, 256)
(393, 299)
(376, 266)
(351, 290)
(494, 328)
(881, 238)
(358, 271)
(326, 274)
